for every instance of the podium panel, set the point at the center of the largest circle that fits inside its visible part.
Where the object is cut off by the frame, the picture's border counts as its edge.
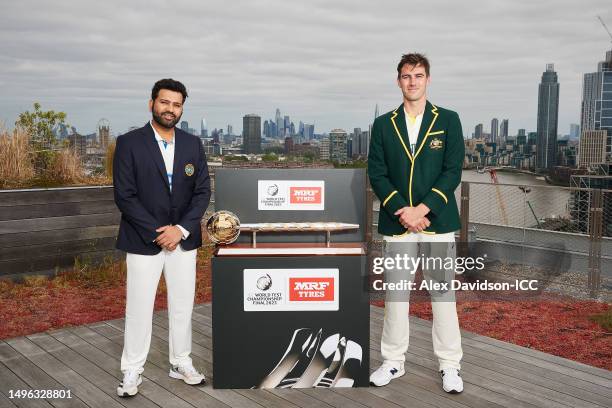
(307, 323)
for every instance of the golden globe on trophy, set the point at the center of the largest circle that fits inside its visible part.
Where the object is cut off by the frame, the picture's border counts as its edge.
(223, 227)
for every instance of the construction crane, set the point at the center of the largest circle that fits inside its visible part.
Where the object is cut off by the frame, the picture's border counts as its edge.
(605, 27)
(500, 200)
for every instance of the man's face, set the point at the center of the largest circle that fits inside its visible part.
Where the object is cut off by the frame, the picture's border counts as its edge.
(413, 82)
(167, 108)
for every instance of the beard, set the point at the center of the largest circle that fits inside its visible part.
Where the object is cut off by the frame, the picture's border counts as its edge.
(162, 121)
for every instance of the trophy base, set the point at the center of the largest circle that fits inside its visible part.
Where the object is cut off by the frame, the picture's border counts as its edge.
(291, 249)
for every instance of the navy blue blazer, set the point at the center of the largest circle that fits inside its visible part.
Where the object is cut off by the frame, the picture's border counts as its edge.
(142, 191)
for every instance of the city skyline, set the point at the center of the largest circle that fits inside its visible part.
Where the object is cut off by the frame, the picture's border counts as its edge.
(330, 68)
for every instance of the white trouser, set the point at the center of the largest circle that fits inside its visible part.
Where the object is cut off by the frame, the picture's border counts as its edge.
(446, 337)
(143, 273)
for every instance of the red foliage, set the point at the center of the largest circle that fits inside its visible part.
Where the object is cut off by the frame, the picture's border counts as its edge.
(553, 324)
(32, 309)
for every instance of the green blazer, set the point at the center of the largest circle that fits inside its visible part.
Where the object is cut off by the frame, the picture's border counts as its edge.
(429, 173)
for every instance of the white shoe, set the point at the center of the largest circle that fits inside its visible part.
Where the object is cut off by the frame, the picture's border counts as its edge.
(188, 374)
(451, 380)
(129, 387)
(388, 371)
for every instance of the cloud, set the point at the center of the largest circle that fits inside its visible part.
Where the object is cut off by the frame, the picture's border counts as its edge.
(328, 62)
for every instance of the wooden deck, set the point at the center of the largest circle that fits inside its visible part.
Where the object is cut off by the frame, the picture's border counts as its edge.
(85, 360)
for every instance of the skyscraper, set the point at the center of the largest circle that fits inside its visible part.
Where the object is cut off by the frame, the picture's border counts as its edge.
(203, 128)
(251, 132)
(338, 145)
(574, 131)
(548, 112)
(597, 102)
(279, 122)
(185, 126)
(478, 131)
(503, 131)
(230, 130)
(494, 130)
(308, 131)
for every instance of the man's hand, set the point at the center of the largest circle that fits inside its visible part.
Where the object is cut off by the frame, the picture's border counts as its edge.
(169, 238)
(413, 218)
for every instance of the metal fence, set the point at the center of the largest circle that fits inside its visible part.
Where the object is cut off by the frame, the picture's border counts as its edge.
(575, 223)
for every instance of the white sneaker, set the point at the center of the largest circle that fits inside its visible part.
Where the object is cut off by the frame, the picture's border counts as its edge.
(451, 380)
(188, 374)
(129, 387)
(387, 372)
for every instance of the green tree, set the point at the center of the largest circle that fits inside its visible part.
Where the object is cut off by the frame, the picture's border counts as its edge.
(269, 157)
(39, 125)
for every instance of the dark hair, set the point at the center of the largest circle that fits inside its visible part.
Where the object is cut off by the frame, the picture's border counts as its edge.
(413, 59)
(169, 84)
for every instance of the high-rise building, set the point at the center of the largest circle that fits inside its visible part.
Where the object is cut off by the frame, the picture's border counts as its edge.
(478, 132)
(503, 131)
(574, 131)
(376, 112)
(324, 148)
(266, 128)
(548, 115)
(185, 126)
(279, 123)
(308, 131)
(521, 132)
(203, 128)
(592, 148)
(338, 140)
(230, 130)
(251, 133)
(494, 130)
(597, 102)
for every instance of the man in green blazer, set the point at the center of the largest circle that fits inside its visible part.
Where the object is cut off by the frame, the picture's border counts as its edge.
(414, 164)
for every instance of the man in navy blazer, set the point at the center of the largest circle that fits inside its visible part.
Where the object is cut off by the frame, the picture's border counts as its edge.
(162, 189)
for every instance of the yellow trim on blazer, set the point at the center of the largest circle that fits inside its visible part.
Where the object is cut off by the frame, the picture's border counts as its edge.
(438, 132)
(434, 111)
(399, 135)
(389, 197)
(441, 193)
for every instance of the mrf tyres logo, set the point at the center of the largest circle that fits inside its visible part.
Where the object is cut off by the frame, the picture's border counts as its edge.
(305, 195)
(311, 289)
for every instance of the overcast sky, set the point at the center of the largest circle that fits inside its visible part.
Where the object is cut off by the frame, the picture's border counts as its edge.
(328, 62)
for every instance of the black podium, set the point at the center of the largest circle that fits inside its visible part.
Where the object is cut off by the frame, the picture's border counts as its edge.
(292, 312)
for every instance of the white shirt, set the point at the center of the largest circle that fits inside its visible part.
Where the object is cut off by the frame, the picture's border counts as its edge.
(413, 130)
(167, 151)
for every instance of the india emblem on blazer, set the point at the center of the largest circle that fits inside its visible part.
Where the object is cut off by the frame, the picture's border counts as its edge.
(189, 169)
(435, 144)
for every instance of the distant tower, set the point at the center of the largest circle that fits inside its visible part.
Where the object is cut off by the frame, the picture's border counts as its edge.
(503, 130)
(251, 132)
(279, 123)
(548, 111)
(596, 104)
(376, 112)
(203, 128)
(104, 132)
(494, 130)
(478, 131)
